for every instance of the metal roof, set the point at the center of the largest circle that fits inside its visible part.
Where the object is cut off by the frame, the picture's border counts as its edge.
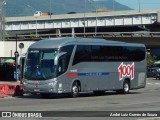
(58, 42)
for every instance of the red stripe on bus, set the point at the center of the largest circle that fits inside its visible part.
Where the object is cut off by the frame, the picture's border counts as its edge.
(72, 74)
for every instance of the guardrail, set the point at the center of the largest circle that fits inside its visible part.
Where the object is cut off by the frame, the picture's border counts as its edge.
(89, 34)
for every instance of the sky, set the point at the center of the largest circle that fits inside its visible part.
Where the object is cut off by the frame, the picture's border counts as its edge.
(144, 4)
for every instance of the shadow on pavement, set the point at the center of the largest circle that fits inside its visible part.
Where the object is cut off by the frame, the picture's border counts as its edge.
(81, 95)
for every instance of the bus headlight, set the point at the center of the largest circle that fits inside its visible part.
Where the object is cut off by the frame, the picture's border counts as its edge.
(52, 83)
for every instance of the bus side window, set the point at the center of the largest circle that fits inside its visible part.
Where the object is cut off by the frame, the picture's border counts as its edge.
(62, 66)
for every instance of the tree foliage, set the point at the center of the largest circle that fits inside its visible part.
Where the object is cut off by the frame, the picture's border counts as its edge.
(150, 60)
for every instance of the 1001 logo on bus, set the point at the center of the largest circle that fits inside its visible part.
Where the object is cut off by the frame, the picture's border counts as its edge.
(126, 70)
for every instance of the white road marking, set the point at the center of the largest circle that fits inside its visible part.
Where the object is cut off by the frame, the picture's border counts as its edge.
(152, 83)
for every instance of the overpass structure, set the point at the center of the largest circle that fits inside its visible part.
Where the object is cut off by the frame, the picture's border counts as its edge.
(85, 22)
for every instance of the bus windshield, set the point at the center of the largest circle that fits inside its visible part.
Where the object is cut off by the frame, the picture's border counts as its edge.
(39, 64)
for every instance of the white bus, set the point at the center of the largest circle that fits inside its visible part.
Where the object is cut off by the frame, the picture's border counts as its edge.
(74, 65)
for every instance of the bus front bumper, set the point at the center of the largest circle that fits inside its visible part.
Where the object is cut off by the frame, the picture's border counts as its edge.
(33, 87)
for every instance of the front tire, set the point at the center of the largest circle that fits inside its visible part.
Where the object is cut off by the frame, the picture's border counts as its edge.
(74, 90)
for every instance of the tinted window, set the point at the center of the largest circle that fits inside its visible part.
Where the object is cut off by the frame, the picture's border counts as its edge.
(92, 53)
(83, 54)
(134, 53)
(39, 64)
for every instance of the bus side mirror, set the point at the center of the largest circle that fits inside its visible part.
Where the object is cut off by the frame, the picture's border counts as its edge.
(20, 57)
(57, 57)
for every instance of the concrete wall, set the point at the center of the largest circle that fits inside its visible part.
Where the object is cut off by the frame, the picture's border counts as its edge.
(7, 48)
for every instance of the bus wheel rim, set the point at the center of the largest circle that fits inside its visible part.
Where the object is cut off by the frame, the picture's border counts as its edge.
(126, 87)
(75, 89)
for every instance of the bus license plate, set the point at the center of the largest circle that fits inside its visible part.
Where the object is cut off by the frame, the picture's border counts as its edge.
(36, 90)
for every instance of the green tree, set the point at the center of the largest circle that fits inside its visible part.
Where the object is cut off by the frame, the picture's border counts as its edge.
(150, 60)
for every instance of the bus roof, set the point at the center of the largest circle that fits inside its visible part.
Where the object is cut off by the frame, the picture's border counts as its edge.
(58, 42)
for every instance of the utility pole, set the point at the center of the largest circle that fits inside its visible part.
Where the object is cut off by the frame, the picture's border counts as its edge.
(84, 22)
(50, 7)
(36, 18)
(94, 3)
(139, 5)
(113, 5)
(1, 20)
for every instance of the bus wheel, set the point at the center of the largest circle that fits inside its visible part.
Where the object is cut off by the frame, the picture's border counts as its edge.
(75, 90)
(126, 87)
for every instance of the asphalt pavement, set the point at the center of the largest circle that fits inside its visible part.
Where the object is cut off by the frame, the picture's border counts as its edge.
(145, 100)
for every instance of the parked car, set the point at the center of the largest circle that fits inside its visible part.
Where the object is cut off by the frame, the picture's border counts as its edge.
(153, 72)
(157, 76)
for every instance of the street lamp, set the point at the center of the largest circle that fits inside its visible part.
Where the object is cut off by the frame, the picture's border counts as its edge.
(113, 5)
(139, 4)
(2, 19)
(96, 8)
(96, 22)
(50, 8)
(31, 8)
(35, 16)
(84, 22)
